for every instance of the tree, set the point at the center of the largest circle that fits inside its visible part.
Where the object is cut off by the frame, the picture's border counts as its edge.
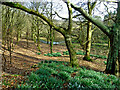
(113, 60)
(19, 23)
(51, 31)
(66, 32)
(8, 24)
(89, 31)
(36, 24)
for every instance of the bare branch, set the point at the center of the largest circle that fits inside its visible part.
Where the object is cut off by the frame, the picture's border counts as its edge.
(91, 19)
(33, 12)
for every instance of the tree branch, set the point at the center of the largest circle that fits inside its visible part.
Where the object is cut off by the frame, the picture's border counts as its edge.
(70, 15)
(98, 23)
(33, 12)
(60, 16)
(66, 18)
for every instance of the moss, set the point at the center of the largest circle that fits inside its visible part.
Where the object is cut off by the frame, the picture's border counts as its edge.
(74, 63)
(87, 58)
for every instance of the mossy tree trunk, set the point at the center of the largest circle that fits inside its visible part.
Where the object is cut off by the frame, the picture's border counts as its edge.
(112, 61)
(72, 53)
(118, 28)
(113, 33)
(88, 44)
(68, 38)
(89, 32)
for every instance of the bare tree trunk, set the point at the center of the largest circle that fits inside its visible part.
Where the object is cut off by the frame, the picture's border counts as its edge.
(4, 59)
(27, 35)
(10, 50)
(51, 40)
(51, 32)
(38, 39)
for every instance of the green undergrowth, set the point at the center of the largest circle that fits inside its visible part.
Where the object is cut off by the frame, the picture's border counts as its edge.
(105, 62)
(88, 58)
(79, 52)
(38, 53)
(58, 75)
(65, 53)
(58, 54)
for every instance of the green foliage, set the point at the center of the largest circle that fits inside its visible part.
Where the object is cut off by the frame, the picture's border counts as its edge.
(98, 56)
(65, 53)
(64, 75)
(105, 62)
(79, 52)
(38, 53)
(55, 74)
(58, 54)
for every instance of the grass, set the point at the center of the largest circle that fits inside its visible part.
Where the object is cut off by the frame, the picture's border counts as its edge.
(57, 74)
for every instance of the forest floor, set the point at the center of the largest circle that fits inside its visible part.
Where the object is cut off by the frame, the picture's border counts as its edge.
(24, 57)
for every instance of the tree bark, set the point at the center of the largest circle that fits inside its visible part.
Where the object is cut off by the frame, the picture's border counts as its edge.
(27, 35)
(18, 36)
(88, 44)
(72, 53)
(51, 31)
(119, 50)
(112, 61)
(89, 31)
(51, 40)
(118, 25)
